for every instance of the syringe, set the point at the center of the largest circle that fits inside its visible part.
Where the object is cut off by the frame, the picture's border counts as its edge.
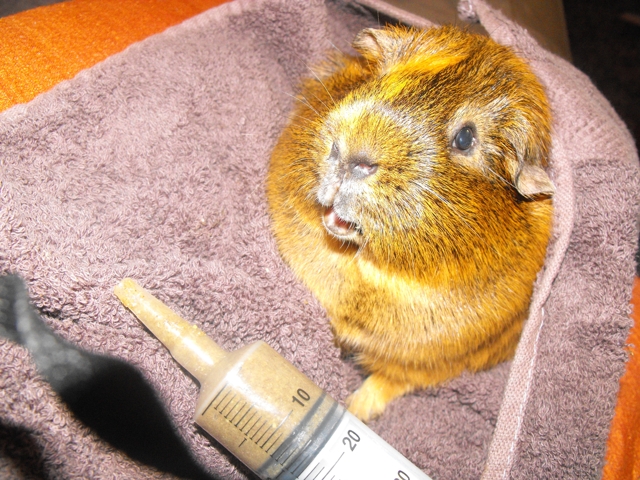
(264, 410)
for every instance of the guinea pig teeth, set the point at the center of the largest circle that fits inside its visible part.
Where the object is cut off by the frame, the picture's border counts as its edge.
(338, 226)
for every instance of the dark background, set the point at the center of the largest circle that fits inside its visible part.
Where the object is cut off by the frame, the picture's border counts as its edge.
(605, 44)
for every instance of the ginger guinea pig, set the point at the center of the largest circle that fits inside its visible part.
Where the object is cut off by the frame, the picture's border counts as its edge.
(408, 192)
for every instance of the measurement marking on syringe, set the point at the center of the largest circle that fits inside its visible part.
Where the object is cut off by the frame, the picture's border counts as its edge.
(293, 452)
(274, 432)
(273, 444)
(263, 434)
(241, 418)
(227, 404)
(314, 469)
(264, 444)
(223, 399)
(258, 431)
(214, 399)
(297, 466)
(238, 412)
(248, 422)
(228, 410)
(332, 466)
(283, 462)
(254, 423)
(233, 407)
(274, 440)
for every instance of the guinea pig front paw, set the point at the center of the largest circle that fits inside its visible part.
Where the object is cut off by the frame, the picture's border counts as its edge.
(370, 400)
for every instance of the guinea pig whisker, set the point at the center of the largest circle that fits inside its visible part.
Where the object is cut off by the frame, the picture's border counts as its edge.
(334, 46)
(501, 178)
(307, 190)
(305, 102)
(323, 86)
(309, 186)
(449, 205)
(308, 120)
(440, 197)
(310, 68)
(308, 104)
(320, 100)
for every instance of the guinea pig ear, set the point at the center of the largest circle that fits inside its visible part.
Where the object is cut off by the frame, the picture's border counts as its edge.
(533, 181)
(374, 44)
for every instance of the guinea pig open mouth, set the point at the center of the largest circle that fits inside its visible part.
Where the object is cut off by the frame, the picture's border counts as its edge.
(339, 227)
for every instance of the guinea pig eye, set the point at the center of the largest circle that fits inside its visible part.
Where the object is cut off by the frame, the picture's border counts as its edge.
(463, 139)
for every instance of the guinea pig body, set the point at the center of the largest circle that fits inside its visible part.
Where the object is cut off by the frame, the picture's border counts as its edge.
(408, 193)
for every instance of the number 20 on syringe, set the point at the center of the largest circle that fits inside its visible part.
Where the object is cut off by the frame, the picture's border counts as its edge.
(355, 452)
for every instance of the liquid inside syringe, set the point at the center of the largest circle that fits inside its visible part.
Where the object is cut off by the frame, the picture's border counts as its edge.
(265, 411)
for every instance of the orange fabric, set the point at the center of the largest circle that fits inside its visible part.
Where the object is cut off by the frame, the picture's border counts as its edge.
(39, 48)
(623, 448)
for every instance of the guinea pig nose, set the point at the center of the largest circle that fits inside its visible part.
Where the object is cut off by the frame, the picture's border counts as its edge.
(362, 166)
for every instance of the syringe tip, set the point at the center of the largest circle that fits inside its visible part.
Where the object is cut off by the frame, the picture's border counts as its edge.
(125, 291)
(187, 343)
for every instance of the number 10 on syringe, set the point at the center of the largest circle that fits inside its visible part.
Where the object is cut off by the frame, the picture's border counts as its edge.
(266, 412)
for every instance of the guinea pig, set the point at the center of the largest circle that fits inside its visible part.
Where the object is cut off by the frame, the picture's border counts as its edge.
(409, 193)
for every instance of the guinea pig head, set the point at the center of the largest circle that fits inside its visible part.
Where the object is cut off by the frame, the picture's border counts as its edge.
(438, 154)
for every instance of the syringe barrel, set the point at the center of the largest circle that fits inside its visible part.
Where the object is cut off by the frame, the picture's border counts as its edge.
(266, 412)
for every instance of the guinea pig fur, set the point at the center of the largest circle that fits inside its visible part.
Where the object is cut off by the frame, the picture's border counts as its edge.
(409, 193)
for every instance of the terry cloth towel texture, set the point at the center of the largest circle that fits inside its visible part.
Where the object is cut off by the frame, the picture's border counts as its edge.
(151, 165)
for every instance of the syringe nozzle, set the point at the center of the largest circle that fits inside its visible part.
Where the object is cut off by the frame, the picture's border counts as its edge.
(189, 345)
